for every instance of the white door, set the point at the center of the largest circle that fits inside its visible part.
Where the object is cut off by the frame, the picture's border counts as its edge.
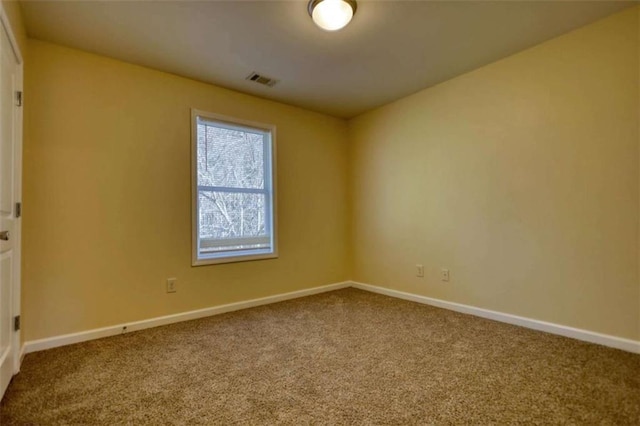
(10, 159)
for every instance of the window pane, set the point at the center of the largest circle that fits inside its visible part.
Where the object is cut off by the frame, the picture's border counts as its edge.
(230, 158)
(233, 172)
(232, 221)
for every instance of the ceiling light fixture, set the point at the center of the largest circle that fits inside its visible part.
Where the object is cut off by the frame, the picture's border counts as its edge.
(331, 15)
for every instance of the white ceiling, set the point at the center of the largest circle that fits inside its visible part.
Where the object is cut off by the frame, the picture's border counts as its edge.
(390, 49)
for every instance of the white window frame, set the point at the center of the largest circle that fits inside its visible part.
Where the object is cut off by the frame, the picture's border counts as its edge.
(271, 200)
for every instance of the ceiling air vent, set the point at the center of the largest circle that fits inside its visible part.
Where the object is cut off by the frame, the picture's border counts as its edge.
(261, 79)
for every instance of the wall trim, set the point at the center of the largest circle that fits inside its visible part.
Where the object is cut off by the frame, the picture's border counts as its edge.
(4, 18)
(23, 352)
(561, 330)
(97, 333)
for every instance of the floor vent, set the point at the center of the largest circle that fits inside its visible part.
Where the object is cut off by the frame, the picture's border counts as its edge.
(261, 79)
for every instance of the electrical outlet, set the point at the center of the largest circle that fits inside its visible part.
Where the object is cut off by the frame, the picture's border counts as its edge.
(171, 285)
(419, 271)
(444, 275)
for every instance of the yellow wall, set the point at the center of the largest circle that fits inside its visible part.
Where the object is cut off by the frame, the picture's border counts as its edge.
(520, 177)
(107, 195)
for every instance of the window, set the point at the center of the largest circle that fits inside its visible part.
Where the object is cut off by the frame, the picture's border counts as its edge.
(233, 194)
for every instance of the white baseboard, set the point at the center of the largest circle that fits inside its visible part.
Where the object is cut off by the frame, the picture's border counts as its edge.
(68, 339)
(562, 330)
(575, 333)
(18, 363)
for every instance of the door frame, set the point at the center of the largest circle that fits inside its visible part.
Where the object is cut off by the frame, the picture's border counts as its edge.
(18, 351)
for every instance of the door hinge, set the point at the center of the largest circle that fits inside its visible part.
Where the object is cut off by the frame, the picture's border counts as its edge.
(18, 210)
(16, 323)
(19, 98)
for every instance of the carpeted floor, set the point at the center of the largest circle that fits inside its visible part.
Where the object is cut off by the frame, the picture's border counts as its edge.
(345, 357)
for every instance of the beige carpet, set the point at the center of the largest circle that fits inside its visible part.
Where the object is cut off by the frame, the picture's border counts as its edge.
(345, 357)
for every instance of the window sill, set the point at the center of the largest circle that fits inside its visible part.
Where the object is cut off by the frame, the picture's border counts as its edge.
(232, 258)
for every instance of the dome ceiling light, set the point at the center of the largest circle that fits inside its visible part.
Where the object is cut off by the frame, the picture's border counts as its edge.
(332, 15)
